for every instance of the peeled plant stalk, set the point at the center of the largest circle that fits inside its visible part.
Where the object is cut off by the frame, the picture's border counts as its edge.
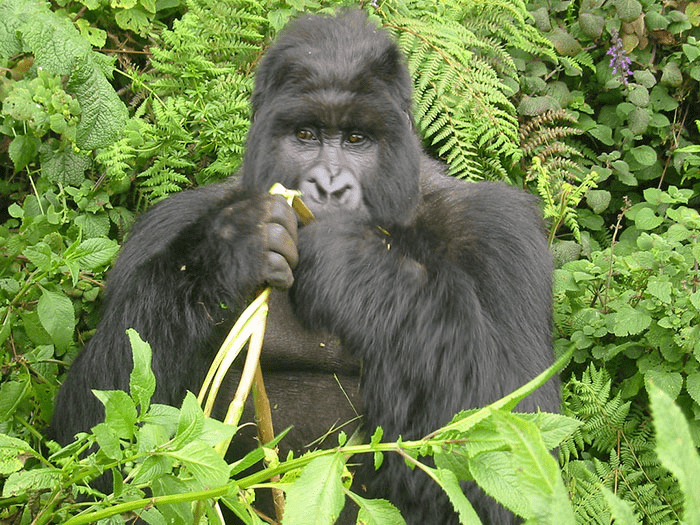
(250, 326)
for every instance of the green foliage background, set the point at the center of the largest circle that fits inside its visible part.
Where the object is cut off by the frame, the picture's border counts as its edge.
(108, 107)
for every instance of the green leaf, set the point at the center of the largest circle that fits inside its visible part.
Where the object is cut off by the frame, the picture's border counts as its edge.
(142, 381)
(317, 497)
(620, 510)
(591, 25)
(646, 219)
(536, 471)
(31, 482)
(628, 10)
(103, 114)
(692, 385)
(57, 316)
(676, 450)
(22, 150)
(208, 467)
(191, 421)
(11, 395)
(671, 75)
(376, 511)
(669, 382)
(645, 155)
(13, 453)
(96, 252)
(120, 411)
(598, 200)
(54, 41)
(63, 167)
(630, 321)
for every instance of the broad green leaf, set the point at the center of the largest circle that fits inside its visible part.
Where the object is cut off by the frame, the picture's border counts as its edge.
(96, 252)
(676, 450)
(203, 462)
(13, 452)
(103, 113)
(30, 481)
(120, 411)
(57, 317)
(644, 155)
(629, 321)
(317, 497)
(628, 10)
(621, 511)
(692, 385)
(670, 382)
(142, 380)
(450, 484)
(11, 395)
(376, 511)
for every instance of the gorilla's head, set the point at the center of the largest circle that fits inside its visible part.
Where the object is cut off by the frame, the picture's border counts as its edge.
(331, 116)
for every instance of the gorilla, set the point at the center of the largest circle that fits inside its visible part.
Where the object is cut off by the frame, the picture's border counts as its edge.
(412, 295)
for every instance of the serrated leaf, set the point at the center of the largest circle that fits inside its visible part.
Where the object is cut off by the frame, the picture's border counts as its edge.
(645, 155)
(96, 252)
(103, 114)
(142, 380)
(317, 497)
(22, 150)
(646, 219)
(620, 510)
(669, 382)
(63, 167)
(676, 449)
(628, 10)
(54, 41)
(376, 511)
(120, 411)
(692, 385)
(57, 316)
(203, 462)
(630, 321)
(31, 481)
(13, 452)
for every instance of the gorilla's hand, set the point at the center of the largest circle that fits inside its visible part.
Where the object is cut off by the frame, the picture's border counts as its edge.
(279, 234)
(263, 232)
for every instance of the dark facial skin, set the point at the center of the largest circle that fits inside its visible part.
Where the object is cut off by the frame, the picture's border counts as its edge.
(330, 166)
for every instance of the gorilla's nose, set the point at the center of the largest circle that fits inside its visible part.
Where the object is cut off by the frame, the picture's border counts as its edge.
(323, 192)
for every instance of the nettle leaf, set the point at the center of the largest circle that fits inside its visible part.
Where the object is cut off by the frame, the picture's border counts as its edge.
(63, 167)
(629, 321)
(669, 382)
(120, 411)
(692, 385)
(204, 463)
(142, 381)
(376, 511)
(57, 316)
(628, 10)
(676, 450)
(96, 252)
(646, 219)
(103, 113)
(317, 496)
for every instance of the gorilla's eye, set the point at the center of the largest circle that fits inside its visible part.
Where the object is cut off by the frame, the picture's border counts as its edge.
(305, 134)
(356, 138)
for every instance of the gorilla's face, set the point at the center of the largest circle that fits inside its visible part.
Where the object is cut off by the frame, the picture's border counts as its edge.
(329, 167)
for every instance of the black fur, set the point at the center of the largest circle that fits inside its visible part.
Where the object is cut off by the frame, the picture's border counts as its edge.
(441, 288)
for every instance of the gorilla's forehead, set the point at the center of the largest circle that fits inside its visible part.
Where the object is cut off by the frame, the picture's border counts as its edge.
(332, 108)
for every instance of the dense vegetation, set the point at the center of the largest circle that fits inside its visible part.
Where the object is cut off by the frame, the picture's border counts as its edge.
(108, 107)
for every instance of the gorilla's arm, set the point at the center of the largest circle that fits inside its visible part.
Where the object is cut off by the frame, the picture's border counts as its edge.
(434, 309)
(188, 267)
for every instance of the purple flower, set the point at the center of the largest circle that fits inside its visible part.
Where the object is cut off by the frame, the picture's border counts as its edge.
(619, 61)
